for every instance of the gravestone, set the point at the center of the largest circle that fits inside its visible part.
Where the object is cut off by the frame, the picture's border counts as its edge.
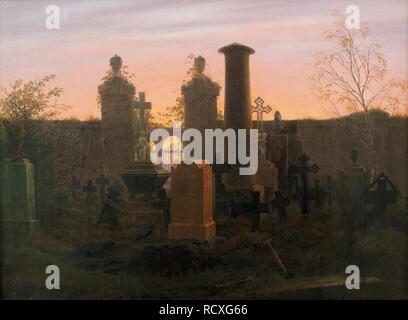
(303, 168)
(116, 95)
(90, 191)
(164, 203)
(255, 208)
(280, 202)
(260, 108)
(352, 181)
(191, 202)
(141, 105)
(380, 195)
(267, 175)
(74, 185)
(141, 176)
(295, 144)
(278, 154)
(102, 182)
(17, 196)
(237, 106)
(114, 192)
(277, 122)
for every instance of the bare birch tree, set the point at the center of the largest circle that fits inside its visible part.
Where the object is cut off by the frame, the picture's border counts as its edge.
(350, 79)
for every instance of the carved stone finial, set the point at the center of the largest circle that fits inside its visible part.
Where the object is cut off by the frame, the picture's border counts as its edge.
(199, 65)
(116, 64)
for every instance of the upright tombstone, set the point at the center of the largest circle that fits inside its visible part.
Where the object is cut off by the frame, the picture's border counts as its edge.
(267, 175)
(17, 192)
(191, 202)
(116, 95)
(278, 154)
(352, 181)
(295, 145)
(102, 182)
(200, 99)
(74, 185)
(237, 108)
(17, 196)
(304, 168)
(381, 196)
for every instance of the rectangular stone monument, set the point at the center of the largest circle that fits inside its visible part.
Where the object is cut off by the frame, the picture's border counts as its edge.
(352, 181)
(278, 154)
(17, 197)
(191, 202)
(267, 177)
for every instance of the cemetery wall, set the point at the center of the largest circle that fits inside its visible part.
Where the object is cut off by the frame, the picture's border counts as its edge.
(78, 147)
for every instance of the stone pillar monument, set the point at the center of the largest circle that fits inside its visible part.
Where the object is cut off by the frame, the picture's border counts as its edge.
(200, 99)
(117, 120)
(237, 109)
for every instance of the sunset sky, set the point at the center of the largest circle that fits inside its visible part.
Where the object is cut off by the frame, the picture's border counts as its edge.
(155, 37)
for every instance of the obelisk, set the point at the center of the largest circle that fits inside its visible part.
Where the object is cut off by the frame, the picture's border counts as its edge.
(237, 105)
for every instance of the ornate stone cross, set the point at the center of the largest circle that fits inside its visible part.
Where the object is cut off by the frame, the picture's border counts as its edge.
(259, 108)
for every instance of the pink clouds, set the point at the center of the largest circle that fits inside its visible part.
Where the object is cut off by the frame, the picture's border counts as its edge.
(154, 38)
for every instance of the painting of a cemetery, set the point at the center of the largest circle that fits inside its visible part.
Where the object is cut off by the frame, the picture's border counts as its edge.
(175, 151)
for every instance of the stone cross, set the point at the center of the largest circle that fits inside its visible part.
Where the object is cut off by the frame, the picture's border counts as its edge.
(74, 185)
(381, 196)
(102, 181)
(142, 105)
(303, 168)
(259, 108)
(255, 207)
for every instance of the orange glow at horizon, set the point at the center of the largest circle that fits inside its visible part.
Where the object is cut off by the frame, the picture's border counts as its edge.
(154, 39)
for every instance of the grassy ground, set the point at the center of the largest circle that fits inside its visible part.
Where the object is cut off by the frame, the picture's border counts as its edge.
(311, 247)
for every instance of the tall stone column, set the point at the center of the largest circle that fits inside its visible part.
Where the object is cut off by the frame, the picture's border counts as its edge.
(117, 95)
(237, 109)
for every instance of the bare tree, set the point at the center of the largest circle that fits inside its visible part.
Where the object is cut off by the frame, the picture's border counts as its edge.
(351, 78)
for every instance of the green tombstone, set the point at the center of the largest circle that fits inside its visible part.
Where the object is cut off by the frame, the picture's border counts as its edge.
(17, 199)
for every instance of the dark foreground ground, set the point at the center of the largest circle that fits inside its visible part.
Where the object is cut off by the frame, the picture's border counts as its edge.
(96, 263)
